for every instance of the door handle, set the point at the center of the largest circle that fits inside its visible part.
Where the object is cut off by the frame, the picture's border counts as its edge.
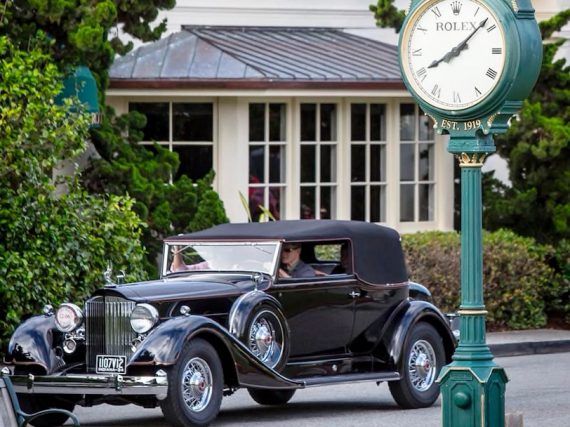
(354, 294)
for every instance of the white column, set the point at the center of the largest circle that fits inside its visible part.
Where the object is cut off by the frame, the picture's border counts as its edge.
(231, 153)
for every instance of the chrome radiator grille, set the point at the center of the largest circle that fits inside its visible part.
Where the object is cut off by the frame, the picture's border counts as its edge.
(107, 328)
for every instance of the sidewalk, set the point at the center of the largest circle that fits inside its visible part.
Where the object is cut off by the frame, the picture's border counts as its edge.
(536, 341)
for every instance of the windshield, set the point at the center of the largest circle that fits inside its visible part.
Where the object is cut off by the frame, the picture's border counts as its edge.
(255, 257)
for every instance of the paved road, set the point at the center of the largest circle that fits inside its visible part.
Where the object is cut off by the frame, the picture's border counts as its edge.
(539, 387)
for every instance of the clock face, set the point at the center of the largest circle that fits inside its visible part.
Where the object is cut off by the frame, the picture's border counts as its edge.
(453, 52)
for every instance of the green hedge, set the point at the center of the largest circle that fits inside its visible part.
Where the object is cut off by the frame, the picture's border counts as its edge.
(524, 282)
(56, 250)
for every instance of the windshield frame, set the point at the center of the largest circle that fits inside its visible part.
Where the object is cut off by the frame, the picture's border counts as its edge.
(168, 244)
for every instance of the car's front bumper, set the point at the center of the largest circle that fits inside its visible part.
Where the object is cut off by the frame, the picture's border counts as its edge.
(93, 384)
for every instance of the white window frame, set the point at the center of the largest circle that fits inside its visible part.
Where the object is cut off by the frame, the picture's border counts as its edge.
(171, 143)
(266, 185)
(368, 143)
(335, 167)
(416, 182)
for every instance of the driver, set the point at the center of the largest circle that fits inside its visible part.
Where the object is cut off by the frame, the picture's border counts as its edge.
(291, 263)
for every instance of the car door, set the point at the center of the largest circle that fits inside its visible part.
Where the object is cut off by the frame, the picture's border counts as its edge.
(373, 306)
(320, 313)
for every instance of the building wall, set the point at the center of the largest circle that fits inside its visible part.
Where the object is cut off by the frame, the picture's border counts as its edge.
(230, 146)
(231, 150)
(353, 15)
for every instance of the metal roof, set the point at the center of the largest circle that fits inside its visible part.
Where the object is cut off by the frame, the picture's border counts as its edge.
(259, 57)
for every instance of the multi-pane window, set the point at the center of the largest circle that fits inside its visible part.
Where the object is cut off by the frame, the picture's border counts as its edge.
(267, 139)
(186, 128)
(417, 153)
(318, 160)
(368, 162)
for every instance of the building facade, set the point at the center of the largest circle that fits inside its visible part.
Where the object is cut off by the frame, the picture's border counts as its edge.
(297, 106)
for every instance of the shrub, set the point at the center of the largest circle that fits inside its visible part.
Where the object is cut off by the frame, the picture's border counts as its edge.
(56, 250)
(167, 205)
(52, 248)
(517, 276)
(557, 297)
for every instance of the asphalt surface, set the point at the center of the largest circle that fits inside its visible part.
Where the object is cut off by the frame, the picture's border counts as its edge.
(366, 404)
(538, 388)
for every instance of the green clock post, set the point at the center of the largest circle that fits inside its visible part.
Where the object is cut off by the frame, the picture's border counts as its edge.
(470, 64)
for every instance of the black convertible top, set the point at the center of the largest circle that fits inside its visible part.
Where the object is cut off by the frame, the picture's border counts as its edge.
(377, 252)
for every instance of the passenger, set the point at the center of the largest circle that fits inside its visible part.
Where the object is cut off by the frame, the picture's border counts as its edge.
(291, 263)
(179, 265)
(345, 266)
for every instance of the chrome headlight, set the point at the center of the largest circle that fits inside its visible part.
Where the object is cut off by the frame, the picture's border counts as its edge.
(143, 318)
(68, 317)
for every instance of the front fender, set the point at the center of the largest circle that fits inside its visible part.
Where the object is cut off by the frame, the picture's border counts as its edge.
(165, 344)
(410, 314)
(32, 343)
(243, 307)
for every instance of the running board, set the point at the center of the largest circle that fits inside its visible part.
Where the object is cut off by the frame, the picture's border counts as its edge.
(348, 378)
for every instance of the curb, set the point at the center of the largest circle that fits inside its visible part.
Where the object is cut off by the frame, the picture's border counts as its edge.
(529, 348)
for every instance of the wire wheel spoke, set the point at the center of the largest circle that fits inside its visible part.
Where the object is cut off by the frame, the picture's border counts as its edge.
(422, 365)
(197, 384)
(265, 338)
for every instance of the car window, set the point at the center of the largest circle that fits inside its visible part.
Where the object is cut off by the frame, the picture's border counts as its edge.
(333, 258)
(224, 256)
(327, 252)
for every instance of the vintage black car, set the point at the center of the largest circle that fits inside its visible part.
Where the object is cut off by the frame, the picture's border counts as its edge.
(221, 318)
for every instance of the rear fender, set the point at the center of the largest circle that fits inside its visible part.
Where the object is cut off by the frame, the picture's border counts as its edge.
(165, 344)
(419, 292)
(402, 323)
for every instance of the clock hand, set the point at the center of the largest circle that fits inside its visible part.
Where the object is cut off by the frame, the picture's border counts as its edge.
(456, 50)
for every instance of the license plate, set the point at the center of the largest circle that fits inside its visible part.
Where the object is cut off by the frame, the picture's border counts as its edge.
(111, 364)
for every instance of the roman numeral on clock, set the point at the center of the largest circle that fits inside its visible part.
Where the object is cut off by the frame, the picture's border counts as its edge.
(491, 28)
(436, 91)
(496, 51)
(422, 73)
(417, 52)
(491, 73)
(456, 97)
(436, 12)
(477, 91)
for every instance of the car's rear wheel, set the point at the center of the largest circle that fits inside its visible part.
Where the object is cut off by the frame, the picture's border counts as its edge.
(195, 386)
(267, 336)
(37, 403)
(270, 397)
(423, 357)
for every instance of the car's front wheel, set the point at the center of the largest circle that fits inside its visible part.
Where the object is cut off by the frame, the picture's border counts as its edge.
(195, 386)
(423, 357)
(270, 397)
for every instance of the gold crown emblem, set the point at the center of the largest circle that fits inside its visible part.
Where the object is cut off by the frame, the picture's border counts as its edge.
(456, 7)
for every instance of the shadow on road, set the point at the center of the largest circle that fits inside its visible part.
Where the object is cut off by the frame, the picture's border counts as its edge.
(302, 412)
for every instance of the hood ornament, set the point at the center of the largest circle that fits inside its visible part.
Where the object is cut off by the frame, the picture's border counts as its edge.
(107, 276)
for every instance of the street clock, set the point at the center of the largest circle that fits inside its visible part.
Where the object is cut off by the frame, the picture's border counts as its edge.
(470, 63)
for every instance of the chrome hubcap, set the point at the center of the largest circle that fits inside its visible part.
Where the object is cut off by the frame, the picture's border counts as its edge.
(422, 365)
(266, 338)
(197, 384)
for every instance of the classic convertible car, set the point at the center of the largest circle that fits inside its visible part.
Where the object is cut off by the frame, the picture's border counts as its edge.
(222, 317)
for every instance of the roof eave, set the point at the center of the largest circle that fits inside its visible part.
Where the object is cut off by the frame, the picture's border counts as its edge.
(254, 84)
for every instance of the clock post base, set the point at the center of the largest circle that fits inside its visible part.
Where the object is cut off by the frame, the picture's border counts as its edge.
(473, 395)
